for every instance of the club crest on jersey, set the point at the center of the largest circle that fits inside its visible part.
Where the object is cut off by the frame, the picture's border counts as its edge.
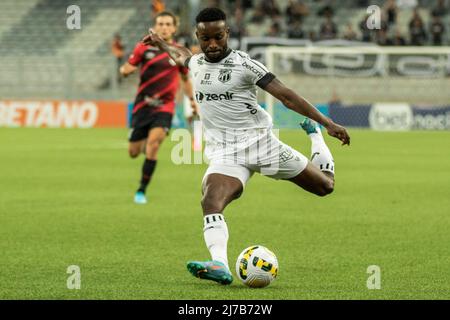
(225, 75)
(149, 55)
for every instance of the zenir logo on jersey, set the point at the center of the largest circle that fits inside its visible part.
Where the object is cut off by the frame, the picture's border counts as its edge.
(225, 75)
(200, 96)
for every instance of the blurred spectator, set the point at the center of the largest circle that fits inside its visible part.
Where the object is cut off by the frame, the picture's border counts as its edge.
(437, 29)
(362, 3)
(327, 10)
(271, 9)
(366, 33)
(312, 35)
(349, 33)
(237, 27)
(214, 3)
(417, 33)
(391, 10)
(440, 10)
(335, 98)
(328, 29)
(407, 4)
(416, 16)
(258, 15)
(246, 4)
(382, 38)
(296, 30)
(158, 6)
(398, 39)
(274, 30)
(296, 10)
(118, 50)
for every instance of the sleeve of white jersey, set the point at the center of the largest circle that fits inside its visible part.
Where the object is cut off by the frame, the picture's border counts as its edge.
(257, 73)
(189, 61)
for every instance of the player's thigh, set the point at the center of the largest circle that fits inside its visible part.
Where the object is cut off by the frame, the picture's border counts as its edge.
(156, 135)
(313, 180)
(160, 125)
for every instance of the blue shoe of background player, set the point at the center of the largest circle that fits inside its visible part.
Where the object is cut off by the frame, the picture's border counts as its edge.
(310, 126)
(140, 198)
(210, 270)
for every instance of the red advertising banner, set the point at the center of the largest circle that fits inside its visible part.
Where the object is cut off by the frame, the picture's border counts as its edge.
(63, 114)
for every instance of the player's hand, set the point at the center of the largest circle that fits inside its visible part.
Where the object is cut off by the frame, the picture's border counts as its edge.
(338, 132)
(194, 107)
(152, 38)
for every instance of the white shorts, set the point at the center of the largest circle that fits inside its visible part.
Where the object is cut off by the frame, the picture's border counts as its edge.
(276, 160)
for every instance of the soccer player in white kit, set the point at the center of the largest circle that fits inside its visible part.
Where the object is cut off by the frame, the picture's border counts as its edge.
(239, 139)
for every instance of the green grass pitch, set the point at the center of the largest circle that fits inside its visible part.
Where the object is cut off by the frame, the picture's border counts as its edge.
(66, 199)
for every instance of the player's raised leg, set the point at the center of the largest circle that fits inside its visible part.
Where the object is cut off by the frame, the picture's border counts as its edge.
(320, 153)
(318, 176)
(218, 191)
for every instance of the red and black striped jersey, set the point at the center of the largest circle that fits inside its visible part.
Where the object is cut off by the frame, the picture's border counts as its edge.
(159, 79)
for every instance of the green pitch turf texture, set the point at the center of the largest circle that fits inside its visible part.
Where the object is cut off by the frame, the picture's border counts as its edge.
(66, 198)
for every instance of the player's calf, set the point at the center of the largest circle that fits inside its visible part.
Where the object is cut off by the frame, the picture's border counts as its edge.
(218, 191)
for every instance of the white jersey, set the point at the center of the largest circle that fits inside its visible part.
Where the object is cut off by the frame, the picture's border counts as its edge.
(226, 94)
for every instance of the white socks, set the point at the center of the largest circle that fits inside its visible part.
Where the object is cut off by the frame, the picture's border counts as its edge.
(215, 232)
(320, 154)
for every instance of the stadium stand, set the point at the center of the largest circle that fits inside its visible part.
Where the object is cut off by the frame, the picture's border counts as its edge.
(42, 58)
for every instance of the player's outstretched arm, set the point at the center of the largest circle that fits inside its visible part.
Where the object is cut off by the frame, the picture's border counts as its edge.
(127, 69)
(179, 54)
(300, 105)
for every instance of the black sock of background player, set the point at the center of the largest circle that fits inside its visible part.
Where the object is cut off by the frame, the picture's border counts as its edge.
(147, 172)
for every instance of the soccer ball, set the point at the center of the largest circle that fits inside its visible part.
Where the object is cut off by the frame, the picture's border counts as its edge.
(257, 266)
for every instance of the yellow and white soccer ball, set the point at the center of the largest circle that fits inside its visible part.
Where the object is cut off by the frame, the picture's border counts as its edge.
(257, 266)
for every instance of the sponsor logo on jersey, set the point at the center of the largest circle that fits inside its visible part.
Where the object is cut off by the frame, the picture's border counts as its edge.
(228, 61)
(206, 80)
(253, 69)
(200, 96)
(200, 61)
(225, 75)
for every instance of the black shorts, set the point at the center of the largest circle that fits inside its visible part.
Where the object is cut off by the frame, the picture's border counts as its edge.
(141, 123)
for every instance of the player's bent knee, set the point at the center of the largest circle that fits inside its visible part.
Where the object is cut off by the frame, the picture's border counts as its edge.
(133, 153)
(152, 149)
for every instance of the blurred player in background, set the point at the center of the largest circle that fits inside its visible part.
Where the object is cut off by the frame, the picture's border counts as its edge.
(118, 50)
(225, 82)
(154, 105)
